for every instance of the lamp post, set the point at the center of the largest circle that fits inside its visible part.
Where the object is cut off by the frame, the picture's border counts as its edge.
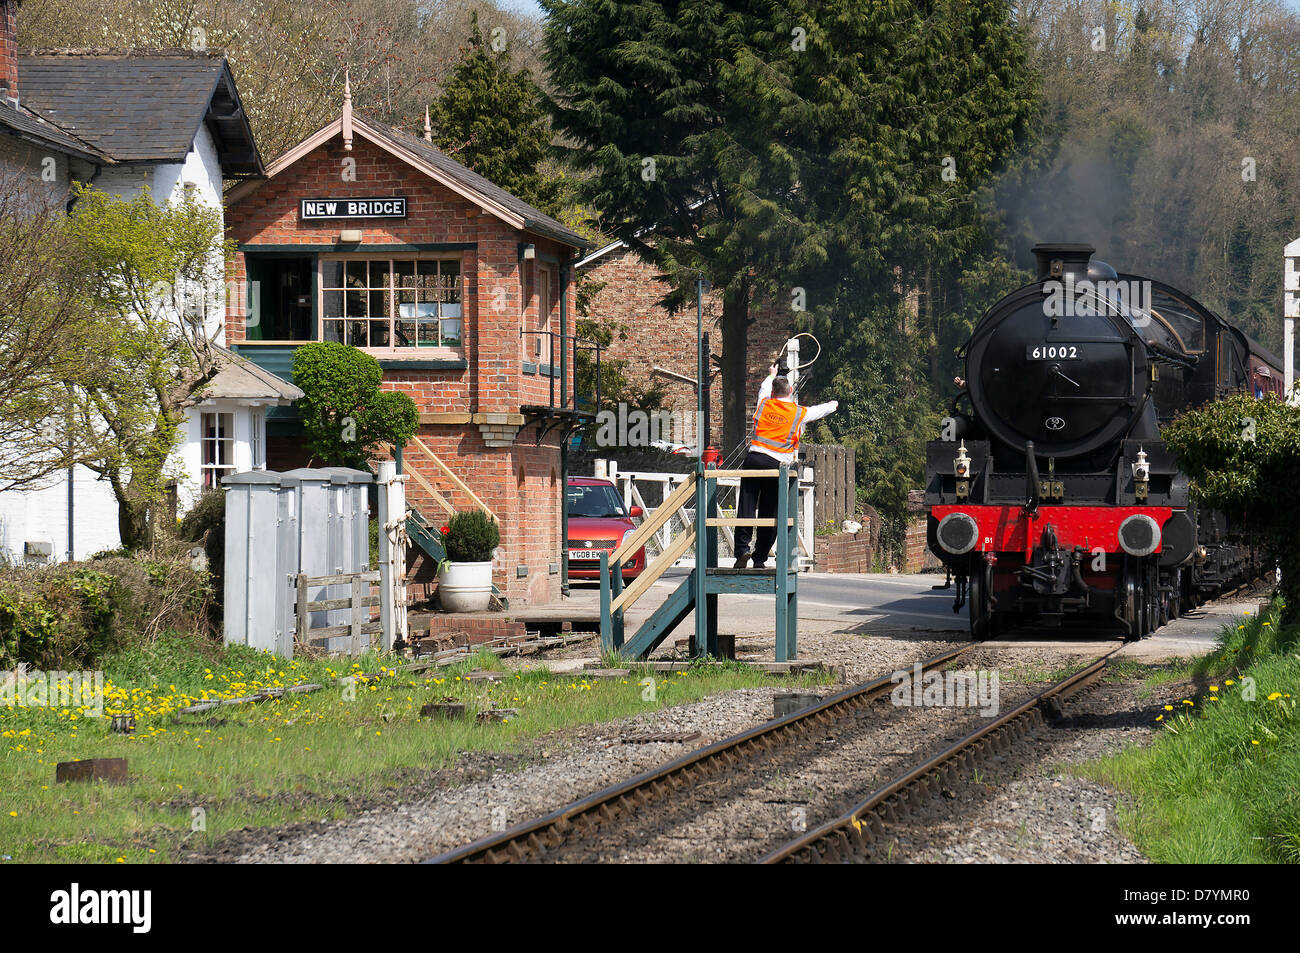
(701, 369)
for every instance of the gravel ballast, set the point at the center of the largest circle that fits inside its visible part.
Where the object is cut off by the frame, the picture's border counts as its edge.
(1032, 813)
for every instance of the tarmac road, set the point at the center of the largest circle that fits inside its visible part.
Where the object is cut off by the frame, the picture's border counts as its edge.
(906, 605)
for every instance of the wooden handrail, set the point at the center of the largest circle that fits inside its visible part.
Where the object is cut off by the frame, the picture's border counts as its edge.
(652, 572)
(428, 488)
(460, 484)
(663, 513)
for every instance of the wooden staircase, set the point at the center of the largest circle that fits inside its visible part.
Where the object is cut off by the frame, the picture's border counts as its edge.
(425, 534)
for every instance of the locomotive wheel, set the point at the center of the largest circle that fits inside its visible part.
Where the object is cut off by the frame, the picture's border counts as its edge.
(982, 618)
(976, 605)
(1155, 613)
(1134, 605)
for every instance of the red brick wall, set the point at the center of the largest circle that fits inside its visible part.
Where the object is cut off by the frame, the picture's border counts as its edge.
(499, 299)
(917, 556)
(655, 337)
(844, 552)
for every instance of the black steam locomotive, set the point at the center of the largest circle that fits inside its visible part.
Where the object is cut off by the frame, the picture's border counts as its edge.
(1050, 493)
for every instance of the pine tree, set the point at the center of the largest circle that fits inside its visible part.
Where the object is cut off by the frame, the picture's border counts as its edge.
(490, 118)
(827, 152)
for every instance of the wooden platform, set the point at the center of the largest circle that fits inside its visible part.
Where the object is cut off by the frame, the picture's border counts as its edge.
(557, 619)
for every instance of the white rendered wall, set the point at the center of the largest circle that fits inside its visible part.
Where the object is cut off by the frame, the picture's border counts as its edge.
(40, 515)
(189, 457)
(166, 183)
(20, 159)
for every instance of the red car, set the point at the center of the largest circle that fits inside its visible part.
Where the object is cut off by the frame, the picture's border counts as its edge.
(598, 521)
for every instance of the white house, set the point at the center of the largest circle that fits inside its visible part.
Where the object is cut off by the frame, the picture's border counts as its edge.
(171, 121)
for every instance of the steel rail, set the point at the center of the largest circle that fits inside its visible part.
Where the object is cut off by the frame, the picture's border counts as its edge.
(852, 832)
(531, 839)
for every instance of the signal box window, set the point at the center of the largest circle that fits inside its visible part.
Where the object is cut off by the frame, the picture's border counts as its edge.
(391, 303)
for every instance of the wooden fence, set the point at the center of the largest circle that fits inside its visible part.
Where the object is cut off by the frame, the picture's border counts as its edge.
(835, 494)
(359, 601)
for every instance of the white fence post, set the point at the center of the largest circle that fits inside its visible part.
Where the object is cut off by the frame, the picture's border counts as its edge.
(1290, 311)
(392, 554)
(808, 502)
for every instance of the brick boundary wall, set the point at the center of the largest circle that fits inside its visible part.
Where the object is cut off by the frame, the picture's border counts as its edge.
(917, 555)
(655, 337)
(844, 552)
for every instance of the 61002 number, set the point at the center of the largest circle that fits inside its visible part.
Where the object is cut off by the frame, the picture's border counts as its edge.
(1053, 352)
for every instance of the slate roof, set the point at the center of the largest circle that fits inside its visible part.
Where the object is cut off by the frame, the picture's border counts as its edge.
(26, 125)
(140, 106)
(241, 379)
(534, 219)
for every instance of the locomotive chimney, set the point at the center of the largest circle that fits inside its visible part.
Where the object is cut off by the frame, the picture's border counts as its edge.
(1058, 259)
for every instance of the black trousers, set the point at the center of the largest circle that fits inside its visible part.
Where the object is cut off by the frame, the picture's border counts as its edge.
(757, 501)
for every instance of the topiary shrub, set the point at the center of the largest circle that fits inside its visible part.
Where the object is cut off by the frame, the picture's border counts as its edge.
(470, 537)
(344, 413)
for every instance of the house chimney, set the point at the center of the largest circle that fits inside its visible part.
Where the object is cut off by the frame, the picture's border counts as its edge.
(9, 50)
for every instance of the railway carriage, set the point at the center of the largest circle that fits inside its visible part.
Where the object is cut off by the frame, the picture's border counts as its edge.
(1050, 493)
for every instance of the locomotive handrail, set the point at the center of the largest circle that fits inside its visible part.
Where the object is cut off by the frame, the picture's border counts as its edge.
(1171, 356)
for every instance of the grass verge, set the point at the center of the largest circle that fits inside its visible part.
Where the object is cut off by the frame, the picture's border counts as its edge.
(1221, 782)
(303, 757)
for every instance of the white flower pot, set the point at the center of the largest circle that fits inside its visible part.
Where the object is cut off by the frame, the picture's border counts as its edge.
(465, 587)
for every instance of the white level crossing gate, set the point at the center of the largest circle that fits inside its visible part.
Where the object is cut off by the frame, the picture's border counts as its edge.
(649, 490)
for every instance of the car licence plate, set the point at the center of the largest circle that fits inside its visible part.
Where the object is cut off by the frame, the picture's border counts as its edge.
(585, 553)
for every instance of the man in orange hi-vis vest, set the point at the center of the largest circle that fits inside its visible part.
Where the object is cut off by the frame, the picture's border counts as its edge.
(778, 424)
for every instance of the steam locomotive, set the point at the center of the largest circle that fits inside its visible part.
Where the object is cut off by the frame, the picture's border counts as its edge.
(1050, 493)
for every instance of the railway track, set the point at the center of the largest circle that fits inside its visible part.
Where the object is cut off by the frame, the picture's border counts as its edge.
(854, 834)
(603, 817)
(537, 839)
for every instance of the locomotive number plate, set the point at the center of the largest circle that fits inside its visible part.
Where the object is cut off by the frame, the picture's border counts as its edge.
(1053, 352)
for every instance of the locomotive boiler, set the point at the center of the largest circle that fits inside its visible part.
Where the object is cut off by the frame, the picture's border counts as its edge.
(1050, 492)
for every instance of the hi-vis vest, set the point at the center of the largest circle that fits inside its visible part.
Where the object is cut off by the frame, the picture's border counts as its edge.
(777, 424)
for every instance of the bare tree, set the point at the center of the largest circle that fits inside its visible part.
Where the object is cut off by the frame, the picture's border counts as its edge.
(43, 316)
